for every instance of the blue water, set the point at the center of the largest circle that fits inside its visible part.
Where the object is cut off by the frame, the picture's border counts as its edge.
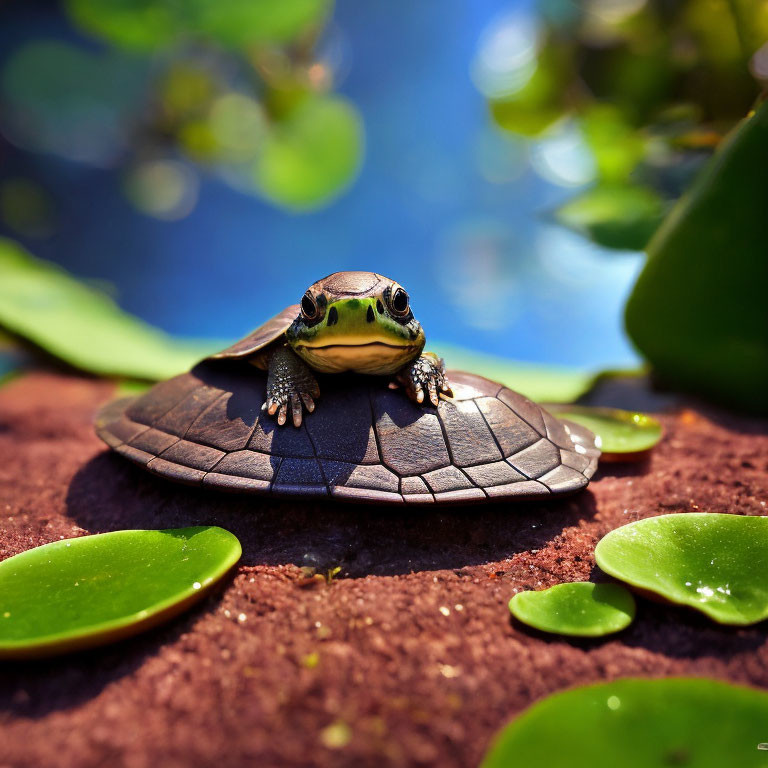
(482, 265)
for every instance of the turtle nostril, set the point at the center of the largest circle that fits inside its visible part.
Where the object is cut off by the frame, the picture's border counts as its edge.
(369, 316)
(333, 316)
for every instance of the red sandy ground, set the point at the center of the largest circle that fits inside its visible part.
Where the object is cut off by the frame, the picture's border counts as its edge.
(417, 661)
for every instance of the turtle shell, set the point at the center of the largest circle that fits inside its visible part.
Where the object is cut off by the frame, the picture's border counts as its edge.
(264, 335)
(364, 442)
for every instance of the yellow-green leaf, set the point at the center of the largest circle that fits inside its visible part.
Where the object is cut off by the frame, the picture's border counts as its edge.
(44, 305)
(312, 154)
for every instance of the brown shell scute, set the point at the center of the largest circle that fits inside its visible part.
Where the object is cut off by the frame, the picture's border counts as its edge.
(364, 442)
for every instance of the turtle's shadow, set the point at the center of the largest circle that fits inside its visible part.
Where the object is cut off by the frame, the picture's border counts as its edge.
(339, 432)
(110, 494)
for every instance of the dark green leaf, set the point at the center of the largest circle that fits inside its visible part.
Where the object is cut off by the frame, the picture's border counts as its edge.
(698, 310)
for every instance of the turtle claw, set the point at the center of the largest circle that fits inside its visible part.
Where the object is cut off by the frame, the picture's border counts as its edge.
(432, 391)
(291, 388)
(292, 404)
(425, 373)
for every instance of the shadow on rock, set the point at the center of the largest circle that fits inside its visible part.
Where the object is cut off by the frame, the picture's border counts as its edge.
(109, 494)
(682, 633)
(623, 468)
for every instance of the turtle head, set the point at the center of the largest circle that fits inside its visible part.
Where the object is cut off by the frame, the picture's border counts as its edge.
(356, 321)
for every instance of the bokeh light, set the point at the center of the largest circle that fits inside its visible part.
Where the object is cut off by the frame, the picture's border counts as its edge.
(165, 189)
(563, 157)
(506, 55)
(478, 267)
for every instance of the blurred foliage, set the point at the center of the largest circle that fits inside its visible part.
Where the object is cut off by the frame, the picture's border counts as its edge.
(239, 87)
(315, 148)
(542, 383)
(650, 86)
(698, 311)
(42, 304)
(75, 103)
(614, 216)
(148, 25)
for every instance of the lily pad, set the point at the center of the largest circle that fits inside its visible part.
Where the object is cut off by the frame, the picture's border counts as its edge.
(623, 434)
(580, 608)
(41, 303)
(79, 593)
(717, 564)
(691, 722)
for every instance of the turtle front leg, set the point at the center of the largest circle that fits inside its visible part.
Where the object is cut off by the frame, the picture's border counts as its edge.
(425, 373)
(289, 384)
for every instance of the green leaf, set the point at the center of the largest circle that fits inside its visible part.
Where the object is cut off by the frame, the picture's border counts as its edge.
(621, 217)
(44, 305)
(538, 104)
(698, 310)
(623, 434)
(138, 25)
(79, 593)
(541, 383)
(239, 23)
(687, 722)
(148, 25)
(312, 154)
(717, 564)
(579, 608)
(616, 145)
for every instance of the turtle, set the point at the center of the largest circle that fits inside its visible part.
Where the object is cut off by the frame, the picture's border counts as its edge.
(392, 425)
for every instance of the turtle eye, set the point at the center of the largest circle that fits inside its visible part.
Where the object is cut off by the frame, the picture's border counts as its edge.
(398, 302)
(309, 307)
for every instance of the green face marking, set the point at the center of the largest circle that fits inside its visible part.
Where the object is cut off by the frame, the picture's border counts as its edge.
(375, 333)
